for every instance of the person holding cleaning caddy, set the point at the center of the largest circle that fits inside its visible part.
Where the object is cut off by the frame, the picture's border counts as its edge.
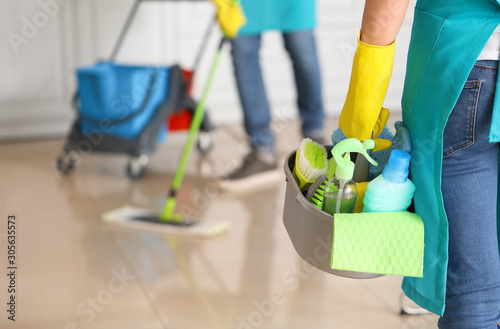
(450, 108)
(296, 20)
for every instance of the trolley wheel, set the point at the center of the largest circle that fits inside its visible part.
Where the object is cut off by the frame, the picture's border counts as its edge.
(136, 166)
(205, 142)
(66, 163)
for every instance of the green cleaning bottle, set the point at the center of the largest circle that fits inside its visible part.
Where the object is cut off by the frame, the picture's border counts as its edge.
(340, 191)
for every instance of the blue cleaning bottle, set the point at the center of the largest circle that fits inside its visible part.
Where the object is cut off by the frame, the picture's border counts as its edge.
(392, 190)
(340, 191)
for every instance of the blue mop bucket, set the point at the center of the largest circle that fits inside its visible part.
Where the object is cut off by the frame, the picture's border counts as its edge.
(120, 100)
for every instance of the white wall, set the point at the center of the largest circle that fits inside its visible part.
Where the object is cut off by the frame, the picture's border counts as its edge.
(44, 40)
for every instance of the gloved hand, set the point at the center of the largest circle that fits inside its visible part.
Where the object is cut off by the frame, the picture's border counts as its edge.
(363, 114)
(380, 143)
(230, 16)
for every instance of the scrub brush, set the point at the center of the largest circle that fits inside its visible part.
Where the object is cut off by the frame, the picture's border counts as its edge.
(316, 192)
(310, 163)
(332, 165)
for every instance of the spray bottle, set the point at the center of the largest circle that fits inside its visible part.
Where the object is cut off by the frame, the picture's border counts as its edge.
(340, 191)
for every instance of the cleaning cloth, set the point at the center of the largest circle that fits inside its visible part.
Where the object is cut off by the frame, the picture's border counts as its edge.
(379, 242)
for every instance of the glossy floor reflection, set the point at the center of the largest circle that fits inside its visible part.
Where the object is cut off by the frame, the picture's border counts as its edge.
(73, 271)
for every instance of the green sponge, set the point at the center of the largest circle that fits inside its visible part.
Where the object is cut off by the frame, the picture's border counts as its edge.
(379, 242)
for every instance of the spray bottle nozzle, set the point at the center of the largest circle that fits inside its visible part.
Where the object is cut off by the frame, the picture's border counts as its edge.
(341, 153)
(368, 144)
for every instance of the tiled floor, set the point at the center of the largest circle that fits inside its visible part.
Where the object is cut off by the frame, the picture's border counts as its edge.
(73, 271)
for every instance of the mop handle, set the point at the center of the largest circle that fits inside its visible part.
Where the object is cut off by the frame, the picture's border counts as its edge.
(186, 84)
(203, 46)
(124, 30)
(193, 131)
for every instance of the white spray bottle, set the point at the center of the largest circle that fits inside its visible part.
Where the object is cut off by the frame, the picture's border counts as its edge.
(340, 191)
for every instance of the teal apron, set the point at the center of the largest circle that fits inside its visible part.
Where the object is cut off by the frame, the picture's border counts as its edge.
(282, 15)
(447, 38)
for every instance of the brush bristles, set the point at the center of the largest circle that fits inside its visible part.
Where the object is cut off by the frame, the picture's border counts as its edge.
(318, 197)
(312, 159)
(332, 166)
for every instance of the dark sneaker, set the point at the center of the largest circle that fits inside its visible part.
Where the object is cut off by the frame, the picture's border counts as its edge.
(259, 169)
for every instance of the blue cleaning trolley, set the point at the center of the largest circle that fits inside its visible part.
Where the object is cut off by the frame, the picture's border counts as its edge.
(123, 109)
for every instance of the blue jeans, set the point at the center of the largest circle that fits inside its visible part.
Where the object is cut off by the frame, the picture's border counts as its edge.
(469, 186)
(301, 47)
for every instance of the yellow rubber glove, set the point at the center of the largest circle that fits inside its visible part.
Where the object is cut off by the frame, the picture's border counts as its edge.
(230, 16)
(380, 143)
(360, 190)
(362, 113)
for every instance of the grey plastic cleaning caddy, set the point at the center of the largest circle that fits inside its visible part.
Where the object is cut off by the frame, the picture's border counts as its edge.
(310, 229)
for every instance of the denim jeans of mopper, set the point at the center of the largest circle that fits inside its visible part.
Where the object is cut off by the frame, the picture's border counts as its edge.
(301, 47)
(469, 186)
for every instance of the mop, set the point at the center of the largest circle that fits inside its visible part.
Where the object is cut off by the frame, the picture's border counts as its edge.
(168, 221)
